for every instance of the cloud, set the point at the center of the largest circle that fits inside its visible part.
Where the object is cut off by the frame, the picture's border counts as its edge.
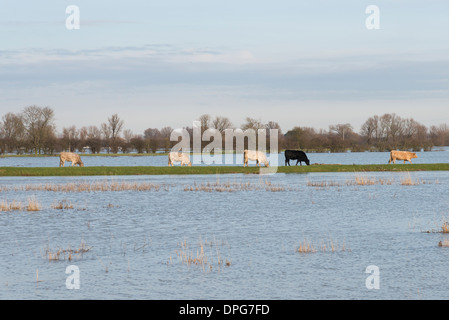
(353, 76)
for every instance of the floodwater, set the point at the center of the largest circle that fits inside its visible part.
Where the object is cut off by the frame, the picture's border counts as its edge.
(441, 156)
(241, 232)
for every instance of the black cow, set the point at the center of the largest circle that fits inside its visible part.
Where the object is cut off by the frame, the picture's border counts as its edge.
(296, 155)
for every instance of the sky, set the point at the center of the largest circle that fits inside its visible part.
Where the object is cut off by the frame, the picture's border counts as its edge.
(165, 63)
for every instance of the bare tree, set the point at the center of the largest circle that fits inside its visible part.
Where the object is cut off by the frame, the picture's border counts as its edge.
(165, 136)
(153, 139)
(252, 124)
(221, 123)
(440, 135)
(112, 130)
(12, 131)
(342, 130)
(205, 121)
(94, 139)
(69, 138)
(39, 126)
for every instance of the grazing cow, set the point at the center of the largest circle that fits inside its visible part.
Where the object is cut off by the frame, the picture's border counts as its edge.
(259, 156)
(402, 155)
(71, 157)
(298, 155)
(179, 157)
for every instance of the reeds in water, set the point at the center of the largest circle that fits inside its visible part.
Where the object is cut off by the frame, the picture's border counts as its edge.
(236, 186)
(61, 254)
(33, 205)
(408, 181)
(306, 247)
(15, 205)
(62, 205)
(325, 246)
(89, 187)
(201, 258)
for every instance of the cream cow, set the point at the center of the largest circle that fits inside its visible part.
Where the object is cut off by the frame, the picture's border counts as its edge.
(71, 157)
(402, 155)
(259, 156)
(179, 157)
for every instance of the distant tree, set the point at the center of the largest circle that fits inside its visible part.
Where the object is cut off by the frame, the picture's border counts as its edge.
(111, 131)
(165, 138)
(94, 139)
(138, 143)
(126, 143)
(70, 138)
(342, 130)
(272, 125)
(252, 124)
(439, 135)
(83, 132)
(39, 126)
(12, 132)
(221, 123)
(153, 139)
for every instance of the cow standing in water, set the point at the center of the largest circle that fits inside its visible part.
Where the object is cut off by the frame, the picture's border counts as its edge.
(71, 157)
(401, 155)
(179, 157)
(296, 155)
(258, 156)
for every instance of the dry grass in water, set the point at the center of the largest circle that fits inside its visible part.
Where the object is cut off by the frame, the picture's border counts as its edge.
(325, 246)
(69, 253)
(306, 247)
(408, 181)
(89, 187)
(235, 187)
(360, 180)
(33, 205)
(445, 226)
(13, 206)
(62, 205)
(367, 181)
(323, 184)
(201, 258)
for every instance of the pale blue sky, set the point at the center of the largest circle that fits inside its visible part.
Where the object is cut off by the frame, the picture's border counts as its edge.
(300, 63)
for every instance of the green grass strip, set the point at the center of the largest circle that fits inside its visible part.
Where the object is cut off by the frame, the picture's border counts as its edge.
(178, 170)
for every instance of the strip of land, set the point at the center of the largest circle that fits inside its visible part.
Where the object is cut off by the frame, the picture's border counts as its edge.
(178, 170)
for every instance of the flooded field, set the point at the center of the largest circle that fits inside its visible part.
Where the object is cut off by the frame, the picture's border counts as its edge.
(441, 156)
(283, 236)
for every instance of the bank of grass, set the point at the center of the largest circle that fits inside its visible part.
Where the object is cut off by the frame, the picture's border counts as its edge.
(204, 169)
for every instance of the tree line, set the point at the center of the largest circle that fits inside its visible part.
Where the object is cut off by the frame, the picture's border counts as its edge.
(33, 131)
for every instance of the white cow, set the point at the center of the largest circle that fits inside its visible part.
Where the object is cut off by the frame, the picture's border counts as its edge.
(179, 157)
(259, 156)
